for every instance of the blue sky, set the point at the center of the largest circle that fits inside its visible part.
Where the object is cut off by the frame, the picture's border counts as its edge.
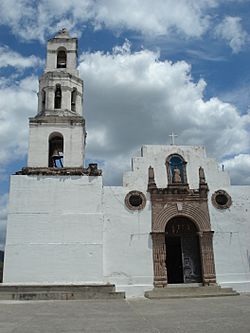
(149, 68)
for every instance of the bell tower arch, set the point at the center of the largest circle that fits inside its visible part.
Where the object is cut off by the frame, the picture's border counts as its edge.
(60, 108)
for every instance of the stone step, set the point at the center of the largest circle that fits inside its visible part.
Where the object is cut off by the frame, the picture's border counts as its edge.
(59, 292)
(56, 287)
(189, 292)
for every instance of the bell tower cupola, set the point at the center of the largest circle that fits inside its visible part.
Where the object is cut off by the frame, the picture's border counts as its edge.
(57, 132)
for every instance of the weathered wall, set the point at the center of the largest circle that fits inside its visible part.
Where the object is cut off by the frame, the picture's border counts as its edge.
(73, 137)
(232, 239)
(71, 229)
(128, 244)
(70, 44)
(156, 156)
(231, 226)
(55, 230)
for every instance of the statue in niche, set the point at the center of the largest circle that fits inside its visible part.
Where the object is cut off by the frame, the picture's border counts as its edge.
(176, 175)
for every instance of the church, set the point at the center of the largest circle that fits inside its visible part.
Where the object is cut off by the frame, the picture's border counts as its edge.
(175, 221)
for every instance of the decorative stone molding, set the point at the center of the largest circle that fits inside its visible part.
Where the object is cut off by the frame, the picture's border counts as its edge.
(92, 170)
(190, 210)
(135, 200)
(180, 201)
(221, 199)
(159, 258)
(207, 257)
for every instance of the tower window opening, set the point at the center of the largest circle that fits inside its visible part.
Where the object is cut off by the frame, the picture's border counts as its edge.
(61, 59)
(73, 99)
(58, 97)
(43, 99)
(56, 151)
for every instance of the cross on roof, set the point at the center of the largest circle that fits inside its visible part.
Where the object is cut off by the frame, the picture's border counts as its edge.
(172, 135)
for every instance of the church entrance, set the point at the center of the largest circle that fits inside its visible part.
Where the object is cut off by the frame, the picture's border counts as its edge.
(183, 262)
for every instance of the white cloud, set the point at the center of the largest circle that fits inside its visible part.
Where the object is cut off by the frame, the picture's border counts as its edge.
(131, 99)
(238, 168)
(134, 98)
(231, 30)
(17, 102)
(187, 17)
(33, 20)
(11, 58)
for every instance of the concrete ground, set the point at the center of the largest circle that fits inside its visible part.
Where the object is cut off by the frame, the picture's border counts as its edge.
(220, 314)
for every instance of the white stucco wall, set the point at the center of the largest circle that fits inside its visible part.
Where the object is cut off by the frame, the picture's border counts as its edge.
(72, 229)
(73, 138)
(156, 155)
(128, 246)
(54, 230)
(232, 239)
(70, 44)
(231, 226)
(48, 82)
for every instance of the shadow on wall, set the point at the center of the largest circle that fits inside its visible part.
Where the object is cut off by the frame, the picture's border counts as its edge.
(1, 265)
(248, 258)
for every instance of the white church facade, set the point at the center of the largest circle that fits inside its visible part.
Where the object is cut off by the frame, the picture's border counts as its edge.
(175, 220)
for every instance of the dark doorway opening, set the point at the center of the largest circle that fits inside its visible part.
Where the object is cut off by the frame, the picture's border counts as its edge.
(174, 260)
(183, 260)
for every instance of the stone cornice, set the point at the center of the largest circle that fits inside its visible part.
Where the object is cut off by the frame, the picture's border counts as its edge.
(59, 74)
(56, 120)
(39, 171)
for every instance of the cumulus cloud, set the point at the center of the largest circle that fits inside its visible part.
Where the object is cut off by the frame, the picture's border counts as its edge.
(135, 98)
(11, 58)
(35, 19)
(131, 99)
(231, 30)
(18, 101)
(239, 167)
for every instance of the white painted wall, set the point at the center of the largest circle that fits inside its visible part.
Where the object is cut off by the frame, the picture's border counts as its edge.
(231, 226)
(71, 229)
(73, 137)
(48, 82)
(128, 246)
(232, 239)
(54, 230)
(156, 155)
(70, 44)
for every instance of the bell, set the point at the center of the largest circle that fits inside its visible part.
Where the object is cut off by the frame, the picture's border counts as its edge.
(58, 93)
(61, 63)
(56, 155)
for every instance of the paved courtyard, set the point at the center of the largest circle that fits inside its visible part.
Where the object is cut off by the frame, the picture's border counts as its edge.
(222, 314)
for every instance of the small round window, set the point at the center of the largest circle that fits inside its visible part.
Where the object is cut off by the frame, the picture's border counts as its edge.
(221, 199)
(135, 200)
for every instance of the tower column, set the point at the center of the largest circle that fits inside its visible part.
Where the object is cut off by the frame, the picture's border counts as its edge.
(50, 97)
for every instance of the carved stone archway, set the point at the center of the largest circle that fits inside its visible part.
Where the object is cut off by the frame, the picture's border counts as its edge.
(175, 201)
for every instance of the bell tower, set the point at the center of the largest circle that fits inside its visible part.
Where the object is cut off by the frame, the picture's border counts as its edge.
(57, 133)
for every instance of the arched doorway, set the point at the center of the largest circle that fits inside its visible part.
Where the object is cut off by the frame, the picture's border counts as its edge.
(183, 260)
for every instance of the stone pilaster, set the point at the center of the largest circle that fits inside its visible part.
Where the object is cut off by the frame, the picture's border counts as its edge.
(159, 258)
(207, 257)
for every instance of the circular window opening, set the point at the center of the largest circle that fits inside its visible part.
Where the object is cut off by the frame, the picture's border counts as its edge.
(221, 199)
(135, 200)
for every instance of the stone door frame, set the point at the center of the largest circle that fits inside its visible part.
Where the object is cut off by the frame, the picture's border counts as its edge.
(201, 219)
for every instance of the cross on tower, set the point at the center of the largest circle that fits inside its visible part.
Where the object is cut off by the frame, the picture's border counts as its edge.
(172, 135)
